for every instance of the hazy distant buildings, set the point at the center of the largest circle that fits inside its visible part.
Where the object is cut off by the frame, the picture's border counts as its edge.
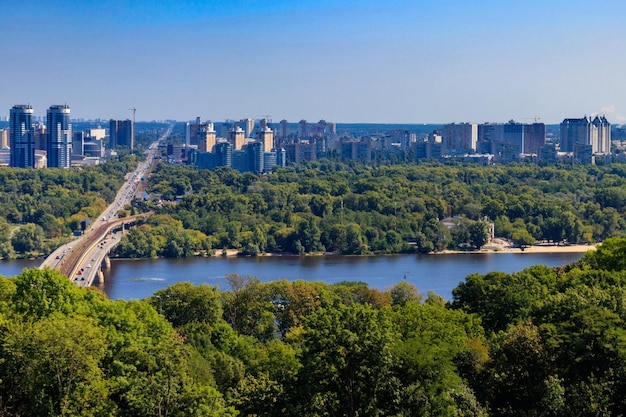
(298, 142)
(357, 150)
(248, 127)
(121, 133)
(489, 136)
(514, 137)
(283, 129)
(200, 135)
(251, 158)
(508, 141)
(59, 131)
(236, 137)
(301, 151)
(547, 154)
(78, 143)
(207, 138)
(265, 135)
(585, 131)
(459, 138)
(583, 154)
(265, 122)
(97, 133)
(534, 137)
(41, 137)
(429, 149)
(603, 128)
(303, 129)
(4, 139)
(22, 141)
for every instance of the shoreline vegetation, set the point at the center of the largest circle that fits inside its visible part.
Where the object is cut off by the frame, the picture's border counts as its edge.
(329, 208)
(495, 246)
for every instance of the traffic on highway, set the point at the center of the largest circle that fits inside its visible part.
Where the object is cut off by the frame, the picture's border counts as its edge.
(82, 258)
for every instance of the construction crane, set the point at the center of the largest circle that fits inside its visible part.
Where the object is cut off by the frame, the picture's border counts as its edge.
(535, 118)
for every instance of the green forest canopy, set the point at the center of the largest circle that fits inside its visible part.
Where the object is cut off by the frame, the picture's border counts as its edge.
(358, 209)
(540, 342)
(40, 208)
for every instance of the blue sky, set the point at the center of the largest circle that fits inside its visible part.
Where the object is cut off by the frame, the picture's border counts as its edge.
(372, 61)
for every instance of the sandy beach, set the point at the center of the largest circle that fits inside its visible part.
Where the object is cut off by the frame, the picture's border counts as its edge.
(505, 246)
(495, 246)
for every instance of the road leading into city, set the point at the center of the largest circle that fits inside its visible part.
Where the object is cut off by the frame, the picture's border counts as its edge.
(78, 254)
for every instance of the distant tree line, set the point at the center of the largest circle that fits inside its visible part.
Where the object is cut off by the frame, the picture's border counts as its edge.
(41, 208)
(358, 209)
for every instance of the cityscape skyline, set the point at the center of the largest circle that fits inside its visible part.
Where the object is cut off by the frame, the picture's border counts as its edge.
(349, 61)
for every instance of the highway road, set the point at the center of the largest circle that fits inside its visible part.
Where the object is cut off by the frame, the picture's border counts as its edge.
(86, 253)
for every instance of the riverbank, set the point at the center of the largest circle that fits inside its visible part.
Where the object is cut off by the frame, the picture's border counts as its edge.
(495, 246)
(504, 246)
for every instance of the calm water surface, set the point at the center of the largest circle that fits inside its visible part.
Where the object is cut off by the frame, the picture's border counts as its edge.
(137, 279)
(14, 267)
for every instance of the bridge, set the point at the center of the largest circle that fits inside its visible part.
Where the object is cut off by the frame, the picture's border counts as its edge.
(82, 260)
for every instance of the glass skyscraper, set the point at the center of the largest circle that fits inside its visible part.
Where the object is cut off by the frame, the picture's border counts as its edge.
(22, 138)
(59, 136)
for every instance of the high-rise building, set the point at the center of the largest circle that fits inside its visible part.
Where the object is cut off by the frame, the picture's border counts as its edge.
(191, 130)
(266, 137)
(78, 143)
(265, 122)
(121, 133)
(302, 151)
(596, 132)
(490, 135)
(21, 137)
(283, 129)
(59, 131)
(255, 155)
(236, 137)
(534, 137)
(547, 153)
(41, 137)
(248, 127)
(331, 128)
(574, 132)
(514, 136)
(207, 138)
(303, 129)
(603, 128)
(223, 154)
(459, 138)
(356, 150)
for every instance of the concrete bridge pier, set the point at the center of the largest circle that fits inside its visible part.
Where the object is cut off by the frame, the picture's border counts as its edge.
(106, 263)
(99, 278)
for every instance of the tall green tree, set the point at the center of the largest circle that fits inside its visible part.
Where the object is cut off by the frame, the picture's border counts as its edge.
(184, 303)
(346, 360)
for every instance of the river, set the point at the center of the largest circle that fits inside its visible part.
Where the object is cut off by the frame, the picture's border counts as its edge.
(137, 279)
